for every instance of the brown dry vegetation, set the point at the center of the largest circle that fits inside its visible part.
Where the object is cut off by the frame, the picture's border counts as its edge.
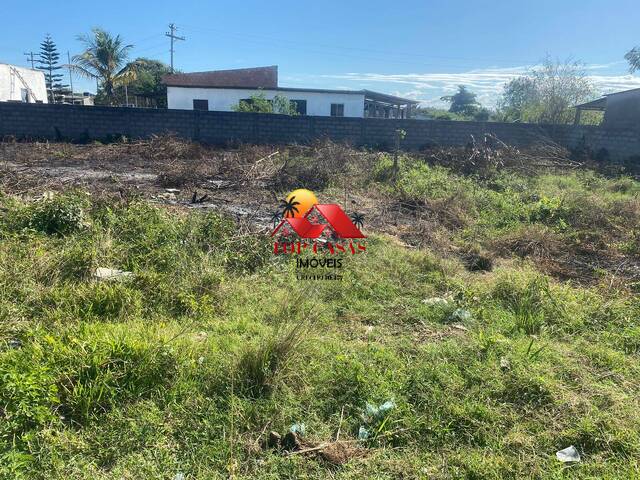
(582, 231)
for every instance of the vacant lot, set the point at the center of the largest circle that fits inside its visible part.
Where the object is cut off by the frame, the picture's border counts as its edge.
(493, 320)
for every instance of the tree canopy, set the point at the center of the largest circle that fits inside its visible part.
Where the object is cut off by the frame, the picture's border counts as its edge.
(258, 103)
(105, 59)
(547, 94)
(48, 59)
(147, 82)
(633, 57)
(463, 102)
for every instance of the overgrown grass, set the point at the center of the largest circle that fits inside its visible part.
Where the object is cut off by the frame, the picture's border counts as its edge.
(186, 365)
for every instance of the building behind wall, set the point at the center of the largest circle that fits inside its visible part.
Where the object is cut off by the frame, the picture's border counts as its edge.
(621, 109)
(222, 90)
(20, 84)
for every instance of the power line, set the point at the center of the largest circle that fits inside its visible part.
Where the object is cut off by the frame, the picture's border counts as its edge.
(30, 56)
(410, 58)
(172, 35)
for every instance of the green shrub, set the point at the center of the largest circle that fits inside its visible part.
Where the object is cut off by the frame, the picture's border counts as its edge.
(28, 395)
(59, 215)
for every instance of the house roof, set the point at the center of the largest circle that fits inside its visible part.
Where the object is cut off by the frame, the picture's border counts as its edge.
(259, 77)
(624, 91)
(385, 98)
(601, 103)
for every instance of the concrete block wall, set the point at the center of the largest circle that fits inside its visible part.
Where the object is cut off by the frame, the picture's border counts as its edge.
(68, 122)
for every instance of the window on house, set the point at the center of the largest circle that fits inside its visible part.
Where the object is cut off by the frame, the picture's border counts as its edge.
(337, 109)
(200, 104)
(301, 106)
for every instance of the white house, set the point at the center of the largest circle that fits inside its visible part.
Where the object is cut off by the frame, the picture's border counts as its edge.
(20, 84)
(222, 90)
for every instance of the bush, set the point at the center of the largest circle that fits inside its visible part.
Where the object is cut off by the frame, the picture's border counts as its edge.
(59, 215)
(28, 393)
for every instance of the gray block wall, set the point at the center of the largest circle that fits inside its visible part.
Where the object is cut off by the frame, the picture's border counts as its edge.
(67, 122)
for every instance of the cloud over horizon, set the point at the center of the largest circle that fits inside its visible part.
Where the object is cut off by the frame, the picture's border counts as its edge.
(487, 83)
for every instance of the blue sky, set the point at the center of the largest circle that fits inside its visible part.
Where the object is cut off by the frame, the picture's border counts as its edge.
(420, 49)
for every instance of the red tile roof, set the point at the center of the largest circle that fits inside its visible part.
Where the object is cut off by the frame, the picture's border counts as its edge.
(260, 77)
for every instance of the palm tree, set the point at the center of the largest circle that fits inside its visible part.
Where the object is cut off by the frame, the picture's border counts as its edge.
(105, 59)
(275, 218)
(289, 206)
(357, 219)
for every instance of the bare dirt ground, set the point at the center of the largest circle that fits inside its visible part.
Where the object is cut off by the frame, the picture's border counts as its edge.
(248, 182)
(173, 177)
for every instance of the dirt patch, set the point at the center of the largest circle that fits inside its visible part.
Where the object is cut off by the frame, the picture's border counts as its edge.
(336, 452)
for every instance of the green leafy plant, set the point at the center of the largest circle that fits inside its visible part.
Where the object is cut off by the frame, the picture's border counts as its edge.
(258, 103)
(59, 215)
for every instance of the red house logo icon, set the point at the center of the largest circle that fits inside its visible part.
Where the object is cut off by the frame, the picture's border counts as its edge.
(336, 220)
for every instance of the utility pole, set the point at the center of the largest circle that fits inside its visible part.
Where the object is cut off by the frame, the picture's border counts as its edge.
(70, 78)
(30, 57)
(172, 35)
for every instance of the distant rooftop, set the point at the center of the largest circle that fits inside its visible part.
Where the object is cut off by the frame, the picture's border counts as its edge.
(259, 77)
(601, 103)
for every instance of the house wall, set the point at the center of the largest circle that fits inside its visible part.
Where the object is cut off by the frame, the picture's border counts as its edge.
(623, 109)
(11, 86)
(74, 122)
(224, 99)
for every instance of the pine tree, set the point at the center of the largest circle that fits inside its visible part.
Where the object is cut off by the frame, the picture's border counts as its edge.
(48, 63)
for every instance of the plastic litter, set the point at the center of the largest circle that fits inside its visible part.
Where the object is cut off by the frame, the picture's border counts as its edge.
(103, 273)
(436, 301)
(179, 476)
(569, 454)
(299, 428)
(376, 413)
(460, 315)
(373, 414)
(363, 433)
(505, 364)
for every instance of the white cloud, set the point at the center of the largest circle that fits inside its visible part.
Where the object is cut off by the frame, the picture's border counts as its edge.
(487, 83)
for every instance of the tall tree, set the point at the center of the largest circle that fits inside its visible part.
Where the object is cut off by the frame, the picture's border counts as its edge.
(547, 93)
(633, 57)
(105, 59)
(48, 62)
(463, 102)
(148, 82)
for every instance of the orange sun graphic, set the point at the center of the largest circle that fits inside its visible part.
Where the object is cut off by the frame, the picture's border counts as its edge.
(298, 203)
